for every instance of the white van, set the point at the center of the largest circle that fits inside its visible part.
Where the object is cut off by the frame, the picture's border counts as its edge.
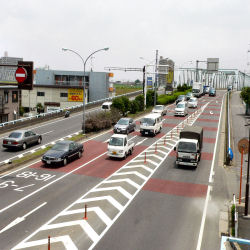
(106, 106)
(151, 124)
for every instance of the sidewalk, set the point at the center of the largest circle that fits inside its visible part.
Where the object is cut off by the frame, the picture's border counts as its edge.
(239, 131)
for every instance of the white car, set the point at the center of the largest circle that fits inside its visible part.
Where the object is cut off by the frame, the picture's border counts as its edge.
(192, 102)
(160, 109)
(181, 109)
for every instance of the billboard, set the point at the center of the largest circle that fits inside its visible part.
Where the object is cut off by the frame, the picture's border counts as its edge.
(75, 95)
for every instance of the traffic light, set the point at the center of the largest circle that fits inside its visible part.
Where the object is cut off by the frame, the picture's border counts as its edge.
(28, 82)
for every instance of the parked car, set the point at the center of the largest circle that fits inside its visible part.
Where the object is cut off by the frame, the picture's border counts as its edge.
(181, 109)
(181, 98)
(106, 106)
(21, 139)
(229, 87)
(212, 92)
(189, 95)
(124, 125)
(160, 109)
(63, 152)
(192, 102)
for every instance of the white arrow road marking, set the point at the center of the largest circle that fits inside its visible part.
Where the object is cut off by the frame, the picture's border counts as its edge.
(132, 172)
(148, 160)
(140, 166)
(211, 113)
(48, 132)
(20, 219)
(66, 240)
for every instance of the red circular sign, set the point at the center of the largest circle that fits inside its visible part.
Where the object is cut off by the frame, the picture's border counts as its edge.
(21, 74)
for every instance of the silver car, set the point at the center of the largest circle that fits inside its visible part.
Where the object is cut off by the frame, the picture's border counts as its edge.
(124, 125)
(21, 139)
(160, 109)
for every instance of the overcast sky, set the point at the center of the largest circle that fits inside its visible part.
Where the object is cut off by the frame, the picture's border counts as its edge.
(182, 30)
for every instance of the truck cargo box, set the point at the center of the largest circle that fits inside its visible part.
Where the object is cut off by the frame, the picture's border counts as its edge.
(192, 132)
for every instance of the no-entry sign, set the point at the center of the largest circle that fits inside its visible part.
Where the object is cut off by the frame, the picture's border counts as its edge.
(21, 74)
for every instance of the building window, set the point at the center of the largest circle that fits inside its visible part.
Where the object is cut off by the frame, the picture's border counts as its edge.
(63, 94)
(6, 96)
(40, 94)
(14, 96)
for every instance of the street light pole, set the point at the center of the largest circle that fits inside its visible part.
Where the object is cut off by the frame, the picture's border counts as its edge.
(84, 82)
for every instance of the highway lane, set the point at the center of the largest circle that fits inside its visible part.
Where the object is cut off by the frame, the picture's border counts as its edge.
(63, 192)
(50, 131)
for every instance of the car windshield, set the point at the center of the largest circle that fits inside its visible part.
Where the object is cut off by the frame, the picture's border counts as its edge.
(212, 90)
(181, 97)
(180, 105)
(189, 94)
(15, 135)
(60, 147)
(195, 90)
(114, 141)
(192, 100)
(188, 147)
(123, 122)
(148, 121)
(158, 107)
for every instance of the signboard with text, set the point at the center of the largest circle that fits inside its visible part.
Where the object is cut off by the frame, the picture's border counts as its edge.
(75, 95)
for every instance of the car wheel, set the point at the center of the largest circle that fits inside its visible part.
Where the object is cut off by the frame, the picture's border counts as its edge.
(125, 156)
(24, 146)
(65, 161)
(79, 154)
(127, 132)
(39, 140)
(131, 151)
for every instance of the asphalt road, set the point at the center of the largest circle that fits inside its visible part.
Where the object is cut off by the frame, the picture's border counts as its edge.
(132, 204)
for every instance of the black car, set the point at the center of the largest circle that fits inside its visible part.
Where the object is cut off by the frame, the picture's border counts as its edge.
(212, 92)
(63, 152)
(124, 125)
(181, 98)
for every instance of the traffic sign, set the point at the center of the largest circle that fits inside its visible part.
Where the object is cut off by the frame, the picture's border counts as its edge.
(21, 74)
(243, 145)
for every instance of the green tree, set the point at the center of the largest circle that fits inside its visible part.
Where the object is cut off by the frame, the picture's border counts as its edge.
(137, 82)
(118, 104)
(245, 95)
(134, 107)
(39, 108)
(126, 102)
(150, 98)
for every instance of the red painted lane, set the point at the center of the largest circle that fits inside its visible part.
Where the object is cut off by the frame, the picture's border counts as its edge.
(104, 166)
(175, 117)
(172, 125)
(209, 140)
(210, 114)
(210, 128)
(204, 155)
(207, 108)
(207, 120)
(176, 188)
(159, 135)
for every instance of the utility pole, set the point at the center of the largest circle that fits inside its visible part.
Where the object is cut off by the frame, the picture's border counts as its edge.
(156, 76)
(247, 182)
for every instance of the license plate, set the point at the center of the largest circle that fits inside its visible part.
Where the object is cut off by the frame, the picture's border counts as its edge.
(186, 156)
(48, 162)
(146, 133)
(114, 153)
(118, 130)
(9, 142)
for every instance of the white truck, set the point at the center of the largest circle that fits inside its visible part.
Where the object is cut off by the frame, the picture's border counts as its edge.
(119, 146)
(188, 149)
(197, 89)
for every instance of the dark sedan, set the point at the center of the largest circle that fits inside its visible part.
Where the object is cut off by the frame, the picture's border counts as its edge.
(181, 98)
(124, 125)
(63, 152)
(21, 139)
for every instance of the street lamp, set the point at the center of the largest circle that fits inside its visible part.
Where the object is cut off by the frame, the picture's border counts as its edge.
(84, 82)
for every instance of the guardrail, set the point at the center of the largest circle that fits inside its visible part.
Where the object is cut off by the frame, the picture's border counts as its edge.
(60, 111)
(229, 155)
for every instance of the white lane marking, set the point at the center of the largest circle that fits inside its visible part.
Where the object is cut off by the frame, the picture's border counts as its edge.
(63, 176)
(209, 187)
(203, 219)
(83, 223)
(119, 189)
(102, 215)
(140, 142)
(147, 160)
(66, 240)
(132, 183)
(20, 156)
(139, 166)
(155, 155)
(47, 132)
(109, 198)
(131, 172)
(20, 219)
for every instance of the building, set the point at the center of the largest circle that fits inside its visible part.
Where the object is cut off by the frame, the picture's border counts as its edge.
(61, 89)
(9, 103)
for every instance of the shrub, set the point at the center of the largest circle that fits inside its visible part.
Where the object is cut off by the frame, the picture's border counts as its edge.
(150, 98)
(245, 94)
(140, 100)
(119, 104)
(134, 107)
(126, 103)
